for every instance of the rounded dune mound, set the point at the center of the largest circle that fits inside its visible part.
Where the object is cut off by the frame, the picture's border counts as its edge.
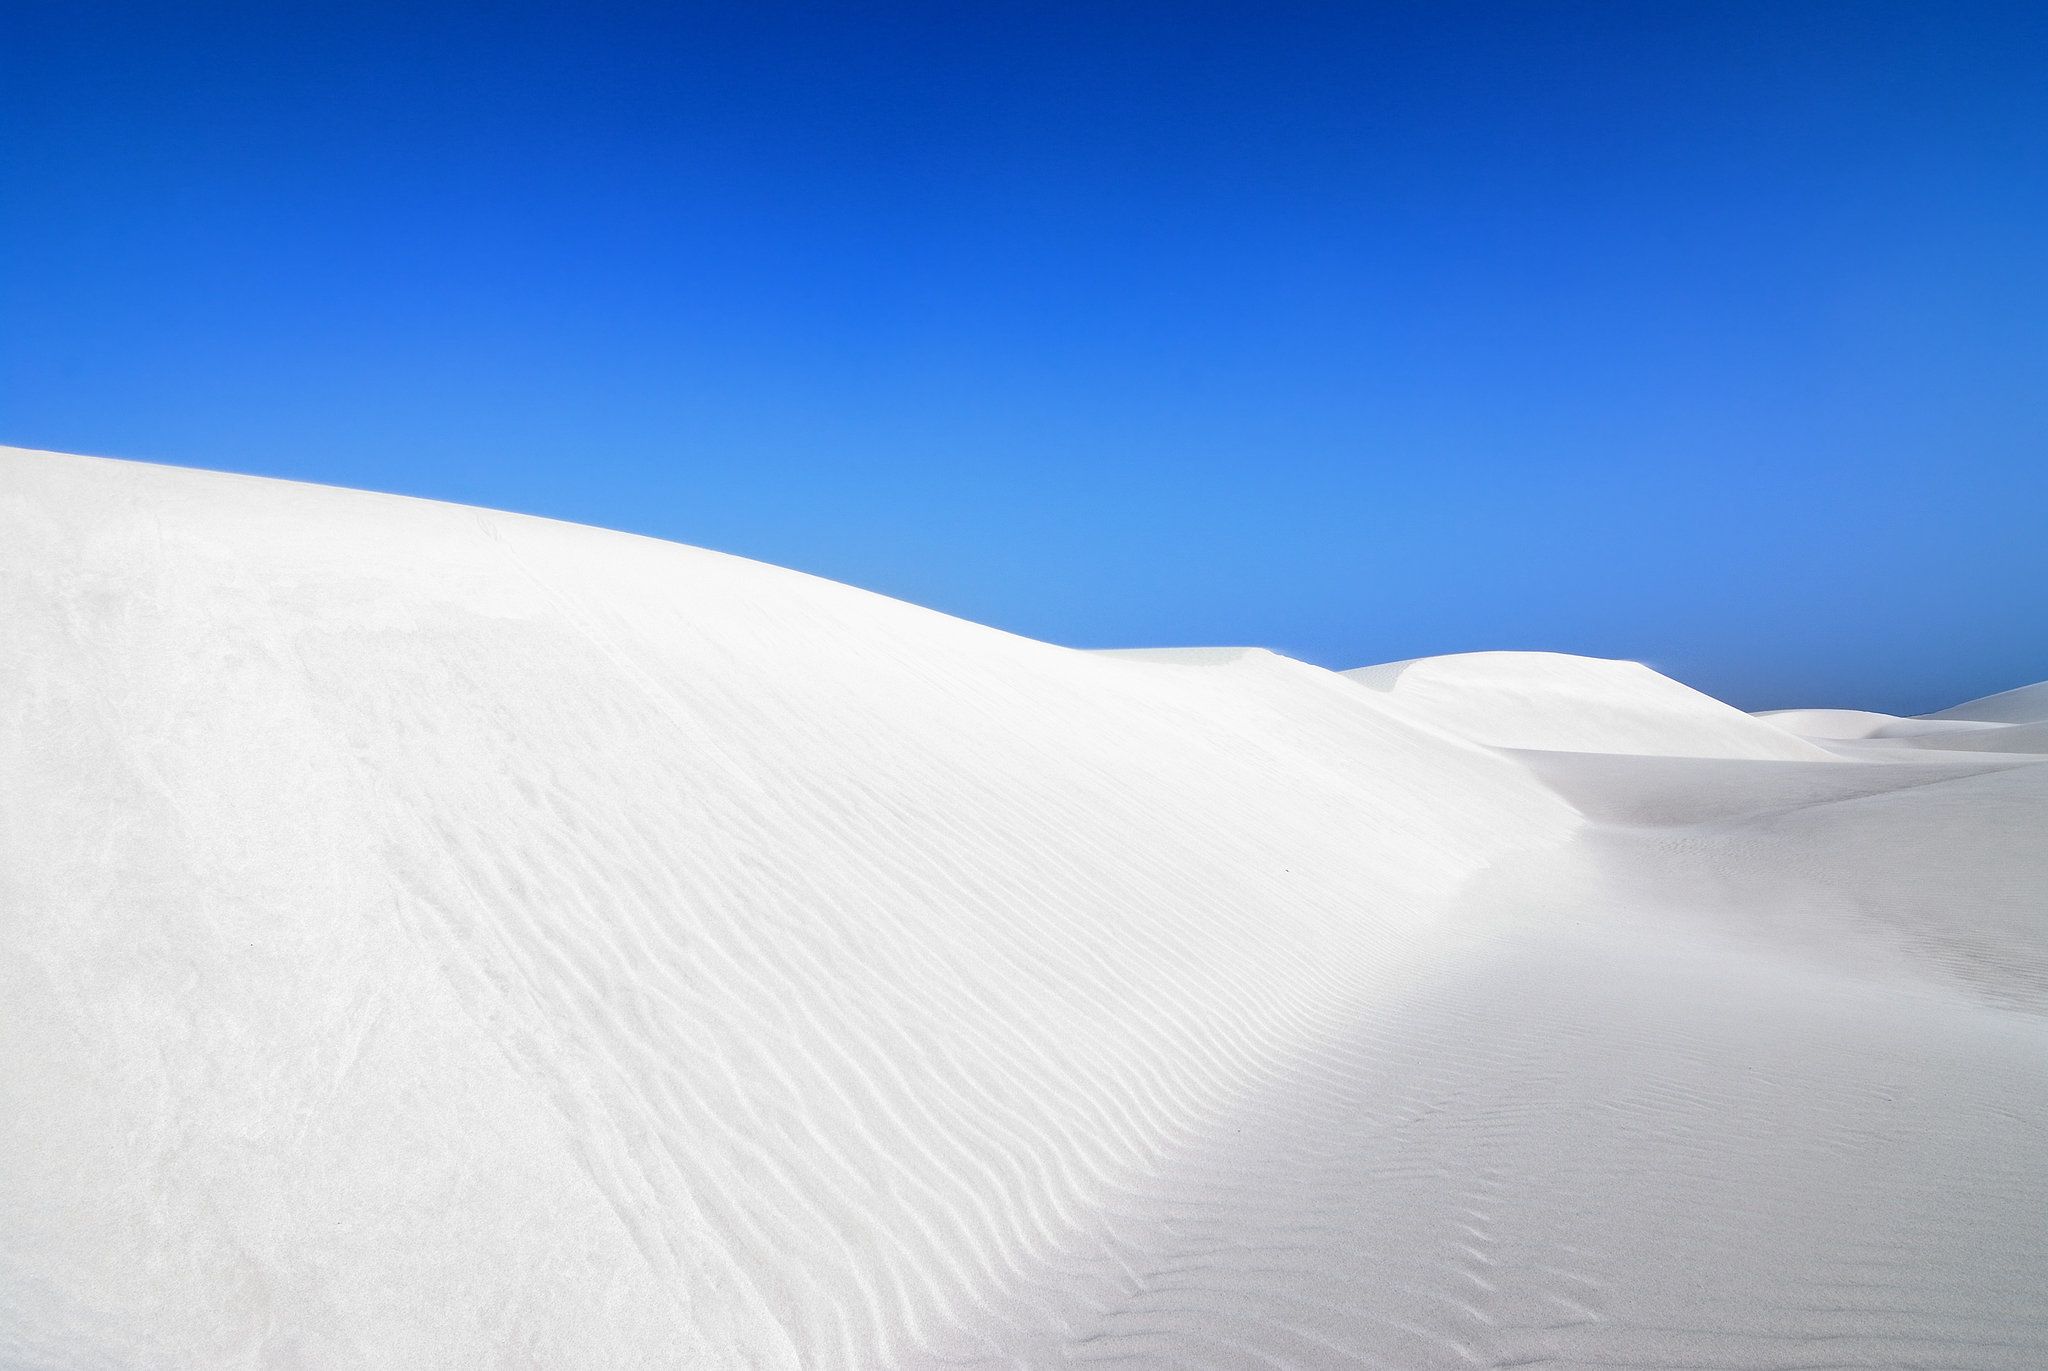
(2026, 705)
(2013, 722)
(1853, 725)
(1557, 702)
(662, 958)
(1831, 724)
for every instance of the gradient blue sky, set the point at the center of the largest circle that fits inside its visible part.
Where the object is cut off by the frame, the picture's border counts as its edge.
(1713, 335)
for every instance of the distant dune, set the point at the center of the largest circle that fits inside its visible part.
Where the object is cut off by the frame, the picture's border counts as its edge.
(2027, 705)
(442, 938)
(2016, 721)
(1579, 704)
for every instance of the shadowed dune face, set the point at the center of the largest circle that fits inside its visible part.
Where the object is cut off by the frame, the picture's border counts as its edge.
(792, 968)
(438, 937)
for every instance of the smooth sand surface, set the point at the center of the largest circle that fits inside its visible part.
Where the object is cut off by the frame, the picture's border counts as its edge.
(1862, 725)
(2026, 705)
(1578, 704)
(2013, 722)
(440, 938)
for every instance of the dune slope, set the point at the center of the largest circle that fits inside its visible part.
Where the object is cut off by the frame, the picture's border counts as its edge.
(2026, 705)
(445, 938)
(1556, 702)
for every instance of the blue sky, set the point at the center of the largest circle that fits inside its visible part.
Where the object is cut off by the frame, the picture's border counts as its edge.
(1713, 335)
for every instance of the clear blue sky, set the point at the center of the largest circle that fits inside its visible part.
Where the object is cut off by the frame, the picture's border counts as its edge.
(1714, 335)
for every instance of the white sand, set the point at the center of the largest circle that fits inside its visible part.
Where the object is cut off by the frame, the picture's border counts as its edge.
(437, 938)
(1581, 704)
(1861, 725)
(2026, 705)
(2014, 722)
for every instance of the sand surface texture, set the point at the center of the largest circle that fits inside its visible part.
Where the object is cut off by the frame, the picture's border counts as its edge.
(439, 938)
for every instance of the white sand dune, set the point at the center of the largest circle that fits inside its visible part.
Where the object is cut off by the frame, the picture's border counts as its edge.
(2016, 721)
(1995, 738)
(438, 938)
(1582, 704)
(1859, 725)
(2026, 705)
